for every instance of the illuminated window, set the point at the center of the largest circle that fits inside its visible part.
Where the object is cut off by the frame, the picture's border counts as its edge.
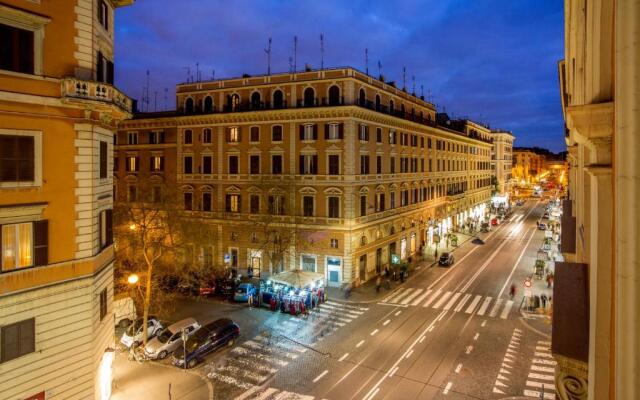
(206, 135)
(233, 203)
(157, 163)
(233, 134)
(133, 164)
(17, 246)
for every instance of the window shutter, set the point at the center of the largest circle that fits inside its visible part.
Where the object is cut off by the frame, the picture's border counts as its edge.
(227, 205)
(301, 131)
(314, 166)
(315, 131)
(41, 242)
(227, 134)
(326, 131)
(9, 341)
(366, 133)
(341, 131)
(137, 164)
(109, 227)
(301, 165)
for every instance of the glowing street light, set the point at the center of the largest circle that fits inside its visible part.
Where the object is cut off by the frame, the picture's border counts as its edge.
(132, 227)
(132, 279)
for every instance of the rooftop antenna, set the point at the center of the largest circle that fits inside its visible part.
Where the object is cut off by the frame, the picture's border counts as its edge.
(188, 73)
(404, 78)
(413, 85)
(379, 69)
(155, 100)
(322, 51)
(429, 95)
(166, 92)
(422, 92)
(366, 61)
(213, 74)
(295, 53)
(268, 51)
(290, 64)
(145, 93)
(197, 72)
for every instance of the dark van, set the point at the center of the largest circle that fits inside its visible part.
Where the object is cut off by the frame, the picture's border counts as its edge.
(212, 336)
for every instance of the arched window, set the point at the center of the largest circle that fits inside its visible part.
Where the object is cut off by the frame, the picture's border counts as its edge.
(208, 104)
(402, 109)
(233, 102)
(391, 106)
(188, 106)
(334, 95)
(392, 230)
(363, 241)
(278, 99)
(309, 97)
(362, 98)
(377, 103)
(255, 100)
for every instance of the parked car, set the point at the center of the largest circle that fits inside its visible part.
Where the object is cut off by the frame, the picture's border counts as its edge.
(495, 221)
(446, 259)
(134, 333)
(545, 215)
(243, 291)
(170, 338)
(210, 337)
(542, 226)
(124, 311)
(208, 288)
(485, 227)
(224, 286)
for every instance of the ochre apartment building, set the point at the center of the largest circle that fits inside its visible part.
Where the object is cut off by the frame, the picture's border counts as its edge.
(502, 159)
(355, 167)
(527, 166)
(58, 114)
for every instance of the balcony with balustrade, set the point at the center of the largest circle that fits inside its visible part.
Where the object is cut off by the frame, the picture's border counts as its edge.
(97, 96)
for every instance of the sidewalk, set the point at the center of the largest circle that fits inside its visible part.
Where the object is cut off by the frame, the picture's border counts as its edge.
(151, 380)
(366, 293)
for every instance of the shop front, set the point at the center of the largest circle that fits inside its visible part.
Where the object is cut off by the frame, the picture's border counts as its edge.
(334, 271)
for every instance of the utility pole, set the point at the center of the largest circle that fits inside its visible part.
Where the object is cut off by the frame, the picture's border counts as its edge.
(197, 72)
(321, 51)
(166, 92)
(404, 78)
(268, 51)
(379, 69)
(413, 85)
(366, 61)
(295, 53)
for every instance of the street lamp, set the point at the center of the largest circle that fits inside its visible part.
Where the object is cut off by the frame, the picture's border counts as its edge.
(132, 227)
(132, 279)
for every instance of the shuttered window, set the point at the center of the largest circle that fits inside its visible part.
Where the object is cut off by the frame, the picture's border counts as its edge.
(17, 339)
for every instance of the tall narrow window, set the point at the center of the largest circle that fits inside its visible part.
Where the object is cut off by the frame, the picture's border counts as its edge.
(254, 204)
(233, 164)
(233, 134)
(255, 134)
(188, 201)
(207, 165)
(254, 164)
(157, 163)
(334, 164)
(392, 165)
(206, 135)
(276, 133)
(276, 164)
(133, 164)
(188, 136)
(132, 138)
(188, 165)
(364, 165)
(206, 201)
(308, 164)
(103, 160)
(363, 206)
(233, 203)
(17, 52)
(103, 14)
(378, 164)
(17, 246)
(334, 207)
(307, 206)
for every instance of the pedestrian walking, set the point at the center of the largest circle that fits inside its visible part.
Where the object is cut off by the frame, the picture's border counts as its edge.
(543, 299)
(378, 283)
(512, 291)
(250, 300)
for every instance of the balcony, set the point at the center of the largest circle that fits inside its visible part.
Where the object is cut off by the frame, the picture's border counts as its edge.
(96, 93)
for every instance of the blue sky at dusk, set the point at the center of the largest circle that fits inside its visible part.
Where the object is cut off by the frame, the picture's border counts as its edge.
(491, 61)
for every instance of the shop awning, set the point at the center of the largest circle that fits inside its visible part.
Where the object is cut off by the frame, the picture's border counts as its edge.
(297, 278)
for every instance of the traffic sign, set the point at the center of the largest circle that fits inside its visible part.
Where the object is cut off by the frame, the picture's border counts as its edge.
(527, 283)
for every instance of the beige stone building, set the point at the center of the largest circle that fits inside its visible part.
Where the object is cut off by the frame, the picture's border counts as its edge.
(596, 326)
(502, 159)
(58, 115)
(527, 166)
(356, 168)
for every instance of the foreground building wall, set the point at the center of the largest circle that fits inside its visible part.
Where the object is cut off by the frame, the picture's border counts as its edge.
(57, 120)
(358, 169)
(602, 117)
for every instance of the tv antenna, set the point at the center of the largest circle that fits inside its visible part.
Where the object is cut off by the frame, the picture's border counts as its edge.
(268, 51)
(404, 78)
(413, 85)
(295, 53)
(188, 73)
(197, 72)
(322, 51)
(379, 69)
(290, 64)
(213, 74)
(166, 92)
(366, 61)
(422, 92)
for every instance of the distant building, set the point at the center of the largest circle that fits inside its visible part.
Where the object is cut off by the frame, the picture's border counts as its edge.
(58, 114)
(527, 166)
(502, 159)
(357, 168)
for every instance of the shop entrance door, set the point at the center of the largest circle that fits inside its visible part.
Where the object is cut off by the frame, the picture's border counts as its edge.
(378, 260)
(363, 267)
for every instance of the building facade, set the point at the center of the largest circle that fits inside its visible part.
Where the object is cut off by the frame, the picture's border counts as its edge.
(596, 328)
(58, 114)
(349, 169)
(502, 159)
(527, 166)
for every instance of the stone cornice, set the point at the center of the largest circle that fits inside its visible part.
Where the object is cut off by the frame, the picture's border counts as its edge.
(591, 122)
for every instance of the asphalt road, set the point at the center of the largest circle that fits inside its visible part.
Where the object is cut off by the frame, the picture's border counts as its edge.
(447, 333)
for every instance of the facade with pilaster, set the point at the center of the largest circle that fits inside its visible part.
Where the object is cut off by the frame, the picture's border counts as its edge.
(357, 168)
(596, 328)
(501, 159)
(58, 114)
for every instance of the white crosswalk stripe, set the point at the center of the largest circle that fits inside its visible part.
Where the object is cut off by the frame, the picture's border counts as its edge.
(541, 377)
(449, 300)
(258, 393)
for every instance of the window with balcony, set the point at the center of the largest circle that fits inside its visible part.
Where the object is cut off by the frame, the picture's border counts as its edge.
(309, 97)
(187, 165)
(392, 200)
(276, 164)
(308, 206)
(392, 165)
(104, 69)
(17, 53)
(254, 204)
(233, 134)
(17, 158)
(278, 99)
(276, 133)
(254, 164)
(207, 165)
(308, 164)
(233, 164)
(133, 164)
(188, 136)
(333, 206)
(208, 104)
(364, 165)
(206, 201)
(276, 204)
(132, 138)
(254, 134)
(188, 201)
(334, 95)
(379, 135)
(378, 164)
(334, 164)
(206, 135)
(156, 137)
(392, 137)
(380, 202)
(232, 203)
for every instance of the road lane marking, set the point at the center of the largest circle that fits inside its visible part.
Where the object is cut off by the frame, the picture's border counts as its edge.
(496, 306)
(432, 298)
(517, 262)
(360, 343)
(344, 356)
(421, 298)
(543, 369)
(458, 368)
(393, 294)
(473, 304)
(542, 377)
(453, 300)
(393, 371)
(536, 394)
(462, 302)
(374, 332)
(507, 308)
(442, 300)
(539, 354)
(485, 304)
(326, 371)
(483, 266)
(401, 295)
(476, 336)
(386, 322)
(484, 323)
(422, 338)
(398, 313)
(409, 353)
(469, 349)
(341, 305)
(447, 388)
(412, 296)
(542, 348)
(266, 394)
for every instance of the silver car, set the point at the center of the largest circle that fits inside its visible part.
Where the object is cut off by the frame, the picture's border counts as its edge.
(170, 339)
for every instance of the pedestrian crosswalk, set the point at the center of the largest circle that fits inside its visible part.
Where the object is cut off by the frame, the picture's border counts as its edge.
(540, 381)
(252, 362)
(440, 299)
